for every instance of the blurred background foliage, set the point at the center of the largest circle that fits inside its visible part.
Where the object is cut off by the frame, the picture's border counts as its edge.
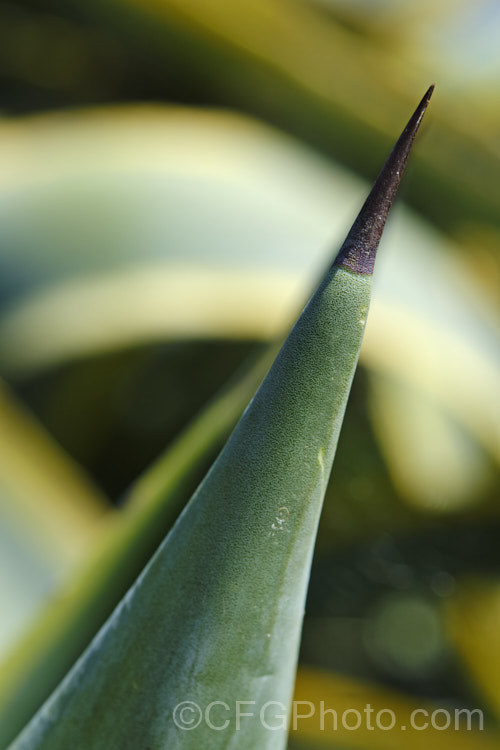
(176, 175)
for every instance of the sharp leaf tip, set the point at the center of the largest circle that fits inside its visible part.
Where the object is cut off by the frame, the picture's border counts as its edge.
(357, 254)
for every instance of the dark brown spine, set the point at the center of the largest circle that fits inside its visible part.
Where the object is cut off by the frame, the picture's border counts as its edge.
(358, 252)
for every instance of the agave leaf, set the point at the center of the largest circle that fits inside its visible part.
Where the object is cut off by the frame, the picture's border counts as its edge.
(445, 334)
(52, 495)
(254, 48)
(151, 169)
(435, 464)
(218, 610)
(50, 513)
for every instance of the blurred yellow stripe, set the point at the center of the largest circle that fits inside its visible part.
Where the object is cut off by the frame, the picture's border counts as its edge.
(346, 695)
(47, 498)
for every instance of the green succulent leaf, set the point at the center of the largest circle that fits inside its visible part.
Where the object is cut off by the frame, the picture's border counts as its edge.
(47, 650)
(216, 615)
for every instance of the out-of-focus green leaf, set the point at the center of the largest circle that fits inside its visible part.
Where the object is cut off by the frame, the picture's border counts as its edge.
(52, 495)
(433, 333)
(453, 41)
(125, 543)
(50, 513)
(119, 212)
(279, 62)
